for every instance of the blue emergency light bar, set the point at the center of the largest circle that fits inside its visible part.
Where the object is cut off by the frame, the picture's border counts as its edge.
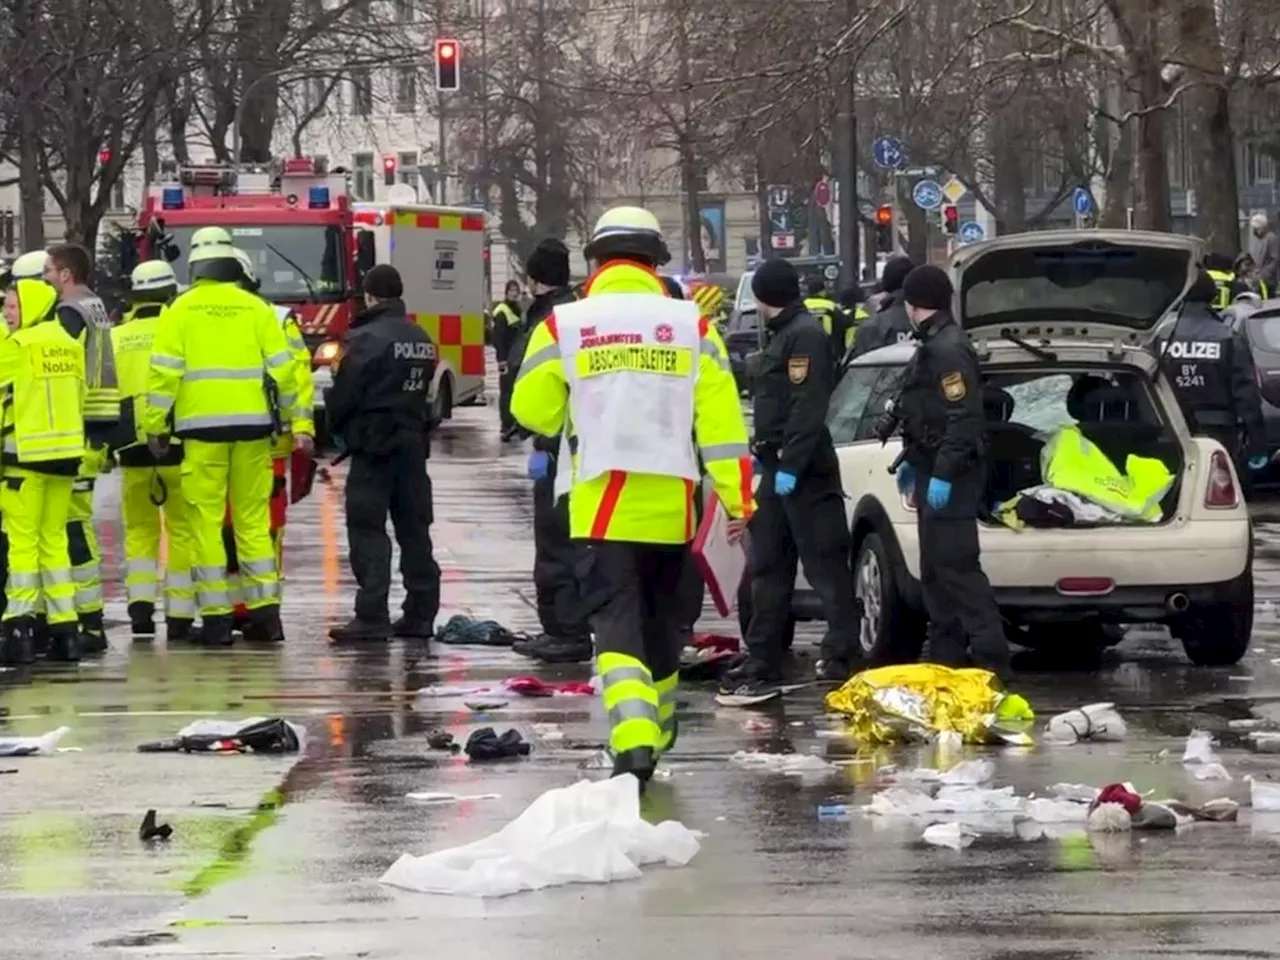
(318, 198)
(171, 198)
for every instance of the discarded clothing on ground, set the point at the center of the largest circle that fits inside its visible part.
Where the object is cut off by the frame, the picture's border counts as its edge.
(591, 832)
(150, 830)
(525, 686)
(43, 745)
(442, 740)
(920, 701)
(1118, 808)
(463, 631)
(1071, 462)
(1093, 721)
(1046, 507)
(485, 744)
(255, 735)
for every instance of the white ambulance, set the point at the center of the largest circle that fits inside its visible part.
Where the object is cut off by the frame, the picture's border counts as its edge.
(439, 252)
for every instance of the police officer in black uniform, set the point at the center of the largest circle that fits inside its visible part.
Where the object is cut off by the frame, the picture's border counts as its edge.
(940, 410)
(378, 406)
(889, 324)
(506, 330)
(800, 505)
(1211, 368)
(836, 321)
(566, 635)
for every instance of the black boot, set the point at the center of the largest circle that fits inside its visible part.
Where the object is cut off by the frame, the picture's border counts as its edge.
(40, 635)
(362, 631)
(215, 631)
(264, 626)
(142, 618)
(179, 629)
(412, 628)
(64, 642)
(640, 762)
(551, 649)
(16, 642)
(93, 633)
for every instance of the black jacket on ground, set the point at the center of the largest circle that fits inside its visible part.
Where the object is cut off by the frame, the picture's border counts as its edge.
(538, 311)
(887, 325)
(379, 398)
(792, 392)
(1212, 371)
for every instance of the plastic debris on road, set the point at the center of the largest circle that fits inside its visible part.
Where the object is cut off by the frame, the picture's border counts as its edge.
(1211, 771)
(1264, 741)
(790, 764)
(923, 701)
(953, 836)
(835, 811)
(1264, 796)
(591, 832)
(1199, 748)
(443, 799)
(43, 745)
(1093, 721)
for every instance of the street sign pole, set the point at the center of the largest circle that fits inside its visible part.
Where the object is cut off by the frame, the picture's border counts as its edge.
(847, 168)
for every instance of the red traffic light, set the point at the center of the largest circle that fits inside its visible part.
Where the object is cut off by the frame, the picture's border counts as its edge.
(951, 218)
(389, 163)
(884, 215)
(104, 156)
(446, 49)
(951, 213)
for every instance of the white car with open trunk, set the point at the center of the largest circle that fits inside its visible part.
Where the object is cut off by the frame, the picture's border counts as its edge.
(1068, 326)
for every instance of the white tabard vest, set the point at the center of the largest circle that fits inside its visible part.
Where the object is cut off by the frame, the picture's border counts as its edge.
(631, 361)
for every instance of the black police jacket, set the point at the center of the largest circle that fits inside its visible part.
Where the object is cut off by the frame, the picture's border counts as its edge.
(1212, 371)
(379, 398)
(941, 403)
(792, 392)
(539, 309)
(889, 324)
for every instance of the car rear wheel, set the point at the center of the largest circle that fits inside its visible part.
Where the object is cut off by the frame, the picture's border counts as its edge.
(443, 408)
(1217, 634)
(890, 631)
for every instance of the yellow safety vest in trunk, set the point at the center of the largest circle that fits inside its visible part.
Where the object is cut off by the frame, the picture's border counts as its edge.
(1070, 461)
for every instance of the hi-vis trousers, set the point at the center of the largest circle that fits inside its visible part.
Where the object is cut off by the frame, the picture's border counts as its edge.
(213, 476)
(82, 540)
(144, 488)
(632, 591)
(35, 508)
(279, 513)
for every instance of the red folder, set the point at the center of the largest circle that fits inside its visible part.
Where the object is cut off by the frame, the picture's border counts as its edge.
(721, 563)
(302, 475)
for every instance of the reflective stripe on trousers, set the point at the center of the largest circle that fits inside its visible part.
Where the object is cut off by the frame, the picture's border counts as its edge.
(35, 508)
(666, 687)
(82, 538)
(145, 525)
(630, 702)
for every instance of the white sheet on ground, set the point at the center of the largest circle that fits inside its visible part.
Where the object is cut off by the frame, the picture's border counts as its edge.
(42, 745)
(590, 832)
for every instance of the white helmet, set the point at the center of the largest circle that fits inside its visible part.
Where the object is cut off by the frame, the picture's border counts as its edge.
(29, 266)
(628, 232)
(246, 264)
(152, 275)
(210, 236)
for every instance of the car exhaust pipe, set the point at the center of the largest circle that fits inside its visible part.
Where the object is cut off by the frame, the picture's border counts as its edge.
(1178, 602)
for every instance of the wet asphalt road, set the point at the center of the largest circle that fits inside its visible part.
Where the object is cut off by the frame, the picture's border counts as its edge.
(273, 859)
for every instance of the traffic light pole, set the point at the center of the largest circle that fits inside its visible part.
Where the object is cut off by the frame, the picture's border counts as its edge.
(847, 167)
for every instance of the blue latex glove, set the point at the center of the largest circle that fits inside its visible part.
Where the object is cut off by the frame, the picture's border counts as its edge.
(538, 465)
(784, 484)
(939, 493)
(1259, 462)
(906, 479)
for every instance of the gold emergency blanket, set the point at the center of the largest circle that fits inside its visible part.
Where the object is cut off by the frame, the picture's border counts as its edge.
(919, 701)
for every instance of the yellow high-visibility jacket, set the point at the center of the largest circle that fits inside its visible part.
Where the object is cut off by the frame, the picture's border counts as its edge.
(639, 507)
(304, 389)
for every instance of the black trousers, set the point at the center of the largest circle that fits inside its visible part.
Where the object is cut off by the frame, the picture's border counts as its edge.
(555, 566)
(965, 627)
(808, 526)
(395, 484)
(506, 384)
(631, 592)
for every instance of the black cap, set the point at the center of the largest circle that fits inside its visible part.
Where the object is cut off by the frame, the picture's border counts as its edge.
(928, 288)
(1204, 290)
(383, 283)
(852, 295)
(776, 283)
(895, 271)
(549, 263)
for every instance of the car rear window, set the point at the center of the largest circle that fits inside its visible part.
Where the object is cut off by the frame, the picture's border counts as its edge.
(1126, 285)
(1264, 330)
(1045, 402)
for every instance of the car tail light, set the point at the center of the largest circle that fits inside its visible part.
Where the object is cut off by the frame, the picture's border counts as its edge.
(1085, 586)
(1222, 493)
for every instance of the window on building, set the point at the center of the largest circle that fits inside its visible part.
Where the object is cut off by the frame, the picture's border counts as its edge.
(320, 160)
(406, 90)
(700, 181)
(362, 176)
(361, 92)
(406, 11)
(407, 167)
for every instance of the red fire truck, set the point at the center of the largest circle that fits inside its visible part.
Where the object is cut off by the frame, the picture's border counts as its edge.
(293, 217)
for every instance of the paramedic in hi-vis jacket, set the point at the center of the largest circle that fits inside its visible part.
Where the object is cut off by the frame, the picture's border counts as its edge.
(631, 377)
